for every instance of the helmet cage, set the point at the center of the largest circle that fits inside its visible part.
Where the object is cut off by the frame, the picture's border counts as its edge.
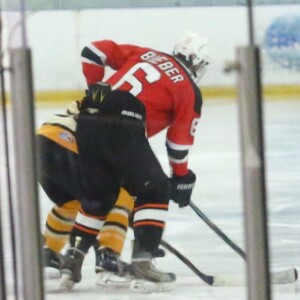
(199, 69)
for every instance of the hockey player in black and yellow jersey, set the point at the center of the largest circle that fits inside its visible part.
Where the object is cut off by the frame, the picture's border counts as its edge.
(59, 176)
(96, 156)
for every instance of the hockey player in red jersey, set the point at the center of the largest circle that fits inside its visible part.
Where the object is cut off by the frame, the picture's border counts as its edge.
(168, 87)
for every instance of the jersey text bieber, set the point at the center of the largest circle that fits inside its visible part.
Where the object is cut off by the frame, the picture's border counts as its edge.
(163, 64)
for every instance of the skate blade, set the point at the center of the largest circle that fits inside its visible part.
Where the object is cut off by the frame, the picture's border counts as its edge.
(66, 282)
(144, 286)
(51, 273)
(107, 279)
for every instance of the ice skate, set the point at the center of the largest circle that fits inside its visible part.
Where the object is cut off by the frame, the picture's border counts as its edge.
(52, 263)
(148, 277)
(111, 270)
(71, 268)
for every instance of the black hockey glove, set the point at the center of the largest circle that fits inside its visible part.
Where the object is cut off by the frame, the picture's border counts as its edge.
(182, 187)
(95, 95)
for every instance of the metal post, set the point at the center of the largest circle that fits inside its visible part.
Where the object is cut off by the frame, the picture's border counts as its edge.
(2, 108)
(27, 205)
(252, 146)
(2, 267)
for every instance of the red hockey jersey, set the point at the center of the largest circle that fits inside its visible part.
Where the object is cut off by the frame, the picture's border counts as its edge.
(171, 98)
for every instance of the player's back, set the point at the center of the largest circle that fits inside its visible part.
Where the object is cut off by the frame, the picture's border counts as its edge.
(157, 80)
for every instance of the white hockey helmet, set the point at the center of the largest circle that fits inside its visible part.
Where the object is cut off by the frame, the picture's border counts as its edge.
(192, 51)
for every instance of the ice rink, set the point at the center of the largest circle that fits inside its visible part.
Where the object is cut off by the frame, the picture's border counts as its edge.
(215, 158)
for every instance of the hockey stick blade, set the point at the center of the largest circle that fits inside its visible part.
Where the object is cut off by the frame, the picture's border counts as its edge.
(281, 277)
(284, 277)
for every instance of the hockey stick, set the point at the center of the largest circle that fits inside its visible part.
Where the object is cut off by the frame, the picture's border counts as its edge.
(283, 277)
(218, 231)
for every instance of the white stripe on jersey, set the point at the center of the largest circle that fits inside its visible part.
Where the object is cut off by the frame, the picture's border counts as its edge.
(150, 214)
(178, 147)
(98, 52)
(88, 221)
(178, 161)
(88, 61)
